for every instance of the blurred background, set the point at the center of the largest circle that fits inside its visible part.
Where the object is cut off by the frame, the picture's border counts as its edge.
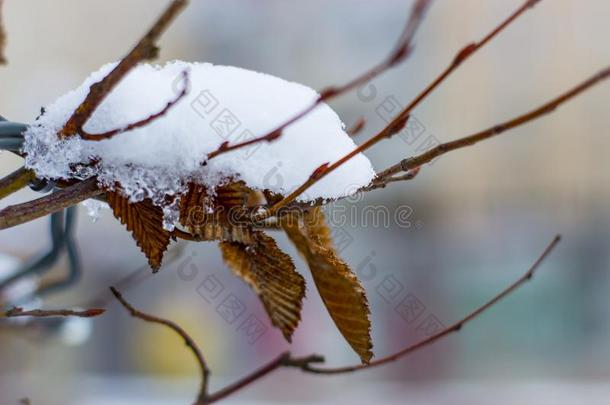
(471, 223)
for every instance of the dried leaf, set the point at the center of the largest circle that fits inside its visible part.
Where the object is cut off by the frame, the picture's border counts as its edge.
(145, 222)
(271, 274)
(341, 292)
(215, 216)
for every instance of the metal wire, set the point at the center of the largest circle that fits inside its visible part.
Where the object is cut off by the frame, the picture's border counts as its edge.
(74, 263)
(11, 135)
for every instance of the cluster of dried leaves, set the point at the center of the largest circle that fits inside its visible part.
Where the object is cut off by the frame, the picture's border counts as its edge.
(236, 217)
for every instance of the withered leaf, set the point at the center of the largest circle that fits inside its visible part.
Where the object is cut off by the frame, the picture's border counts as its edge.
(341, 292)
(271, 274)
(216, 216)
(145, 222)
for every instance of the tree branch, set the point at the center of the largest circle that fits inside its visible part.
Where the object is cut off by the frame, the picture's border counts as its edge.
(45, 313)
(15, 181)
(400, 120)
(20, 213)
(417, 161)
(400, 52)
(283, 360)
(383, 181)
(190, 343)
(447, 331)
(109, 134)
(356, 127)
(2, 35)
(145, 49)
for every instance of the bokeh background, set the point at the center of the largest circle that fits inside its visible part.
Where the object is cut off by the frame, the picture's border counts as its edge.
(475, 220)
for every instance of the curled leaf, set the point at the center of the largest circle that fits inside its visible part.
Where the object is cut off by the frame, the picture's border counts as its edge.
(145, 222)
(271, 274)
(339, 288)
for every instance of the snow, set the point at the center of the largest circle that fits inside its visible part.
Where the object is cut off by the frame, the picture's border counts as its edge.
(223, 104)
(94, 208)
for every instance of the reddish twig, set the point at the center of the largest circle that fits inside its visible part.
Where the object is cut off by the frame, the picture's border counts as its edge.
(145, 49)
(417, 161)
(109, 134)
(356, 127)
(190, 343)
(447, 331)
(383, 181)
(305, 363)
(2, 35)
(401, 119)
(44, 313)
(400, 52)
(20, 213)
(283, 360)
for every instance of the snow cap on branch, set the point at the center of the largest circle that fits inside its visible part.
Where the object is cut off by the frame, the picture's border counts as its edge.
(224, 105)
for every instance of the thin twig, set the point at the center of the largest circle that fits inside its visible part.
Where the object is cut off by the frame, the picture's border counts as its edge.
(205, 372)
(145, 49)
(401, 119)
(383, 181)
(305, 363)
(20, 213)
(356, 127)
(15, 181)
(109, 134)
(447, 331)
(45, 313)
(417, 161)
(283, 360)
(2, 35)
(400, 52)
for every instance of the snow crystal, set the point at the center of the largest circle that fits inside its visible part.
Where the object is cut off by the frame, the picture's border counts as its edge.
(223, 104)
(94, 208)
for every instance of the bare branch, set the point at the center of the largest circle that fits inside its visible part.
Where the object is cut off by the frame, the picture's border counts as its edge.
(400, 52)
(447, 331)
(283, 360)
(145, 49)
(15, 181)
(417, 161)
(2, 35)
(45, 313)
(20, 213)
(401, 119)
(383, 181)
(356, 127)
(109, 134)
(190, 343)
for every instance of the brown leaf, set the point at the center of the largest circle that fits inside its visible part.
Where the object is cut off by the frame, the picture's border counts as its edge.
(338, 286)
(271, 274)
(145, 222)
(215, 216)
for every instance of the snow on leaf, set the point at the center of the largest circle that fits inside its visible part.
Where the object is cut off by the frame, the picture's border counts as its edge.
(341, 292)
(271, 274)
(145, 222)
